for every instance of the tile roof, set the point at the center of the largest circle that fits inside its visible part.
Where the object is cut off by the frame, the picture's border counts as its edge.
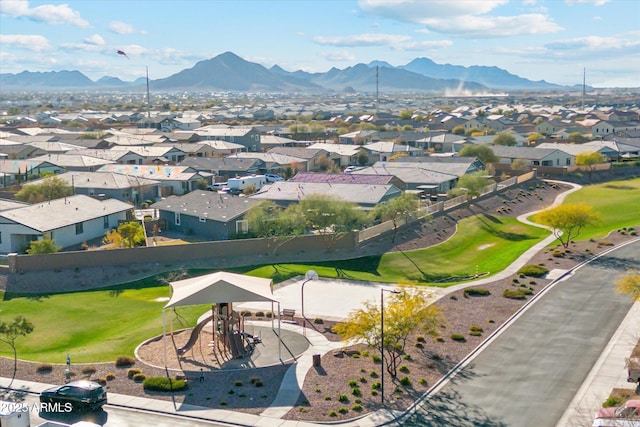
(207, 204)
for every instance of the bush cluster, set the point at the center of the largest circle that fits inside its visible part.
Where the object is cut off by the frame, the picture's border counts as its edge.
(533, 270)
(123, 361)
(164, 384)
(476, 292)
(517, 293)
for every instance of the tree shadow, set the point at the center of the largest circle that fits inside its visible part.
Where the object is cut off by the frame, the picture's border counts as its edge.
(614, 263)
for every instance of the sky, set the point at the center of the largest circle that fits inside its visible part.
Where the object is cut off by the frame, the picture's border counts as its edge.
(552, 40)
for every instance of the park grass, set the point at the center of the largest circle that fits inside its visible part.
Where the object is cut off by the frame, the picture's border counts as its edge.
(482, 244)
(92, 326)
(617, 202)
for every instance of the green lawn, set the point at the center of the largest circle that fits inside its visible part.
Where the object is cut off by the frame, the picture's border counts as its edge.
(94, 326)
(483, 243)
(618, 203)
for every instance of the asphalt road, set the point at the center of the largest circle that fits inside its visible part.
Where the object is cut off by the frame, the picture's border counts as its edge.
(529, 375)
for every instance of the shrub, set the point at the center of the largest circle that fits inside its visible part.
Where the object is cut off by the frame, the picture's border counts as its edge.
(533, 270)
(164, 384)
(44, 368)
(421, 339)
(376, 358)
(373, 374)
(318, 321)
(259, 314)
(457, 337)
(89, 370)
(357, 400)
(343, 410)
(245, 313)
(405, 381)
(110, 376)
(256, 381)
(327, 398)
(131, 372)
(374, 393)
(422, 381)
(343, 398)
(476, 328)
(476, 292)
(376, 386)
(139, 377)
(475, 333)
(238, 383)
(605, 243)
(333, 414)
(124, 361)
(403, 369)
(356, 408)
(356, 391)
(102, 381)
(353, 383)
(612, 401)
(517, 293)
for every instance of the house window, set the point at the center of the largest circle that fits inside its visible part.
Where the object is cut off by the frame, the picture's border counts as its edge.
(177, 218)
(568, 161)
(105, 221)
(242, 227)
(79, 228)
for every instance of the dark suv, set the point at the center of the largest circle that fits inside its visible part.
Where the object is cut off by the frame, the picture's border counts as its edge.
(81, 395)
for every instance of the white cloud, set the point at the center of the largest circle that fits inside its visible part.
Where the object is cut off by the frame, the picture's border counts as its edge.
(25, 41)
(628, 43)
(124, 28)
(497, 26)
(393, 41)
(338, 56)
(462, 17)
(95, 39)
(595, 2)
(49, 13)
(85, 47)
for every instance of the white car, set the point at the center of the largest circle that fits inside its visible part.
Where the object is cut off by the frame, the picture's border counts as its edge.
(273, 178)
(350, 169)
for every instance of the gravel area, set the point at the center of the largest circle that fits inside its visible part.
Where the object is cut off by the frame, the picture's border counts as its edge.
(327, 394)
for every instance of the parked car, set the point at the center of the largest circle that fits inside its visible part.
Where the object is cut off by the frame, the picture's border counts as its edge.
(81, 395)
(216, 186)
(273, 178)
(350, 169)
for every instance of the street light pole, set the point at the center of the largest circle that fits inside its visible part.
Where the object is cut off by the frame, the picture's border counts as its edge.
(309, 275)
(383, 367)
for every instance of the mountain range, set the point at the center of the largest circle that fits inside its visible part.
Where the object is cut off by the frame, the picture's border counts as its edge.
(229, 72)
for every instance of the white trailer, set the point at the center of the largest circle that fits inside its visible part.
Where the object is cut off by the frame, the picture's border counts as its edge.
(240, 183)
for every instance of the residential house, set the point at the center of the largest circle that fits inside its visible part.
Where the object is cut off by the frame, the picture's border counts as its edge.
(74, 162)
(357, 138)
(126, 188)
(158, 154)
(412, 175)
(313, 156)
(225, 167)
(207, 214)
(246, 136)
(275, 163)
(173, 179)
(367, 196)
(341, 154)
(534, 156)
(68, 221)
(384, 150)
(604, 128)
(115, 155)
(348, 178)
(15, 172)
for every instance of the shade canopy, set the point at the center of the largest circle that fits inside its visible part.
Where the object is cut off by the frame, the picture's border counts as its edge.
(219, 287)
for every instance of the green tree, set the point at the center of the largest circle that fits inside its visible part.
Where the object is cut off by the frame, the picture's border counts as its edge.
(327, 214)
(9, 333)
(473, 131)
(406, 114)
(49, 189)
(404, 207)
(324, 162)
(132, 233)
(535, 137)
(482, 152)
(362, 157)
(576, 137)
(567, 221)
(458, 130)
(590, 159)
(113, 238)
(250, 189)
(518, 164)
(44, 246)
(630, 284)
(473, 183)
(504, 138)
(404, 313)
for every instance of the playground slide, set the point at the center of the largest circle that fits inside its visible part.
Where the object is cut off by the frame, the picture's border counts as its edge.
(194, 336)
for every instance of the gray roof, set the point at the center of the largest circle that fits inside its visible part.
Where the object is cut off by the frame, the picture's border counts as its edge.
(207, 204)
(361, 194)
(73, 160)
(529, 153)
(409, 175)
(343, 178)
(58, 213)
(456, 166)
(100, 180)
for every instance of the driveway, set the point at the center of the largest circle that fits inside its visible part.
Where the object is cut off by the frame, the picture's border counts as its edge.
(531, 372)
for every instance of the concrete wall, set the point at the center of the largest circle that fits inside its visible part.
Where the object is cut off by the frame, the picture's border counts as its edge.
(230, 253)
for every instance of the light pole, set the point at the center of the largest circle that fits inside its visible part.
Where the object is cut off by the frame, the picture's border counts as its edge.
(309, 275)
(383, 367)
